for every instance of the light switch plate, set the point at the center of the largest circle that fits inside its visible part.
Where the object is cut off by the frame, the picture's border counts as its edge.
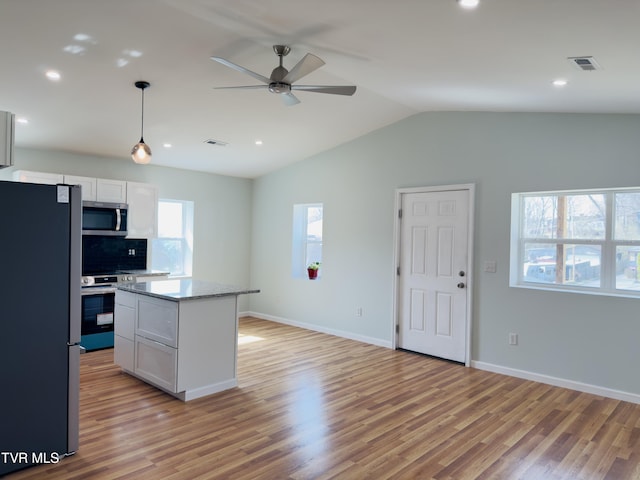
(490, 266)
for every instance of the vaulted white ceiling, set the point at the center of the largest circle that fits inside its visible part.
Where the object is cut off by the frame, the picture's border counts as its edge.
(405, 57)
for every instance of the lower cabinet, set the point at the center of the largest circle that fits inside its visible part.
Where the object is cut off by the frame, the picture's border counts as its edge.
(123, 352)
(187, 348)
(146, 338)
(123, 330)
(157, 363)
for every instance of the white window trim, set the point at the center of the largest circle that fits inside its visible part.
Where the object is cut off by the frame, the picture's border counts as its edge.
(300, 240)
(608, 245)
(187, 228)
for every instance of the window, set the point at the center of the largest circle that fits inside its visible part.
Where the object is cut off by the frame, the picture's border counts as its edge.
(172, 251)
(307, 237)
(581, 241)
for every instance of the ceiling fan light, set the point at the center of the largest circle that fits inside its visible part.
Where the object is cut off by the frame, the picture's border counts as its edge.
(141, 153)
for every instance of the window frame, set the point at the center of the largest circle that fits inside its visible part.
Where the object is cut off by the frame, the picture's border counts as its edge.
(608, 244)
(300, 240)
(186, 239)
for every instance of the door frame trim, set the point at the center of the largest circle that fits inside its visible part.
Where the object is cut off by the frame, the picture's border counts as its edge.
(470, 187)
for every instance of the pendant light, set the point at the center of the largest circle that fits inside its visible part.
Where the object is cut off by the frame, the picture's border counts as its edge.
(141, 153)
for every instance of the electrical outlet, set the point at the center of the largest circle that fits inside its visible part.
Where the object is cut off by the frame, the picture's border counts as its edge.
(359, 312)
(513, 339)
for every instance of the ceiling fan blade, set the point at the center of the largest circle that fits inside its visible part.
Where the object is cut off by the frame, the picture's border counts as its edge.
(308, 64)
(229, 64)
(244, 87)
(289, 99)
(333, 89)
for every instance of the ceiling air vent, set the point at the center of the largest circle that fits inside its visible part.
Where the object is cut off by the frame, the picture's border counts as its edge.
(587, 64)
(219, 143)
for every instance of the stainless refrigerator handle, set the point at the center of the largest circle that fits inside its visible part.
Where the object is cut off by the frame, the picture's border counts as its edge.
(118, 217)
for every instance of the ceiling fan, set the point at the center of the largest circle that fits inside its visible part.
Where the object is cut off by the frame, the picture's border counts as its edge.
(281, 80)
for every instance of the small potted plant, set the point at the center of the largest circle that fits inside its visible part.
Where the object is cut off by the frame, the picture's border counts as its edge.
(312, 270)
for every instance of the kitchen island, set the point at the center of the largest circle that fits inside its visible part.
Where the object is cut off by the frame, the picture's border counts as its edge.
(180, 335)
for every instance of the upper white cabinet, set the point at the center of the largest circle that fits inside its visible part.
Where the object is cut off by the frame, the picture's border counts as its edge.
(38, 177)
(88, 185)
(142, 198)
(114, 191)
(142, 220)
(100, 189)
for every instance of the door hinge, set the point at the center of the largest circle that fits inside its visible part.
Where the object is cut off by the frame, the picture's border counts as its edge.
(398, 271)
(397, 328)
(400, 213)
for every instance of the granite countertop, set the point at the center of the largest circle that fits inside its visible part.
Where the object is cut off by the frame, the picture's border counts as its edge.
(146, 273)
(184, 289)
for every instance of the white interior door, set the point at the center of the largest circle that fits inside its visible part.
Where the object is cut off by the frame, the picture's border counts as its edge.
(434, 273)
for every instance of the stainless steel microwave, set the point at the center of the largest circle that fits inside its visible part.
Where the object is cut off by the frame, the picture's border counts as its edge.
(103, 218)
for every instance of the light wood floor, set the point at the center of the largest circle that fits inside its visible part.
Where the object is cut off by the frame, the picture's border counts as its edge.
(314, 406)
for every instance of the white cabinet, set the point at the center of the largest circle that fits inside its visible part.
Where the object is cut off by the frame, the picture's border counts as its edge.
(142, 198)
(158, 320)
(114, 191)
(142, 220)
(123, 352)
(124, 330)
(88, 185)
(156, 342)
(156, 362)
(37, 177)
(187, 348)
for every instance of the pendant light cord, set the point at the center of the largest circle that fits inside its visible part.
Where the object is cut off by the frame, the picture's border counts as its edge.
(142, 119)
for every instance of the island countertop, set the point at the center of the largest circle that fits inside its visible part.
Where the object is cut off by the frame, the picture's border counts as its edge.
(184, 289)
(146, 273)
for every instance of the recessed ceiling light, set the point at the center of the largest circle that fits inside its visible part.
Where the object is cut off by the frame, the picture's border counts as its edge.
(560, 82)
(468, 3)
(83, 37)
(53, 75)
(74, 49)
(132, 53)
(22, 120)
(167, 145)
(258, 142)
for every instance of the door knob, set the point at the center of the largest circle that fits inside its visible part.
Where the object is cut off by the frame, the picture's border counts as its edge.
(461, 285)
(461, 273)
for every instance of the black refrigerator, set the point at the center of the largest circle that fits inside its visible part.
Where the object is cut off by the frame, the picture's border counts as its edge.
(41, 251)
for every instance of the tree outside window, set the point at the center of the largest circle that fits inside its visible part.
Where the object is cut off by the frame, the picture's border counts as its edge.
(585, 241)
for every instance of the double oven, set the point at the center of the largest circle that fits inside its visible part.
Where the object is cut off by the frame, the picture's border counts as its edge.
(106, 261)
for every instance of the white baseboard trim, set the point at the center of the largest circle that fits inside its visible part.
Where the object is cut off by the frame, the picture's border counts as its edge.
(316, 328)
(207, 390)
(558, 382)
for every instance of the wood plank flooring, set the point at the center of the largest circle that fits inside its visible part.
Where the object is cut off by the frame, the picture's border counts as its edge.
(315, 406)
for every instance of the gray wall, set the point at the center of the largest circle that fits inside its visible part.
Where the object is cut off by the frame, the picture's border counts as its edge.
(581, 338)
(222, 206)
